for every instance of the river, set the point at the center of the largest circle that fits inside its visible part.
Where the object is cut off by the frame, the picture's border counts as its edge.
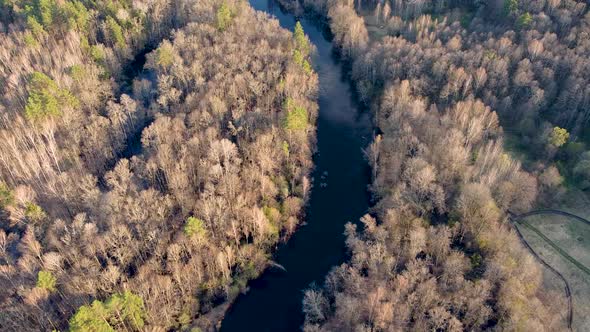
(339, 195)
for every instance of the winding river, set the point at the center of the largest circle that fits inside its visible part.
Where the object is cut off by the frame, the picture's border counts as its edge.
(339, 195)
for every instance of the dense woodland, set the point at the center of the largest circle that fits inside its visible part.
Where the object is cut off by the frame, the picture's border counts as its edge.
(143, 195)
(134, 204)
(436, 251)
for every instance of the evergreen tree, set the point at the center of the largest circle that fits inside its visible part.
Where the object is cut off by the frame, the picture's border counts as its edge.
(194, 227)
(115, 32)
(301, 42)
(224, 17)
(46, 280)
(120, 310)
(46, 98)
(6, 195)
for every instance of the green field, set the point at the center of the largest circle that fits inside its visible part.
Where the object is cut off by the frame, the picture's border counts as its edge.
(564, 243)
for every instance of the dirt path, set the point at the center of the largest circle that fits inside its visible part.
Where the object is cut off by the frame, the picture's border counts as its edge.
(549, 212)
(516, 219)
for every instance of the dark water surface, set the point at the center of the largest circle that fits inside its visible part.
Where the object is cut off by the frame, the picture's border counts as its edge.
(274, 300)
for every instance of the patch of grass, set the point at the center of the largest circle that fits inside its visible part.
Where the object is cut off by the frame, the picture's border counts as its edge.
(564, 243)
(557, 248)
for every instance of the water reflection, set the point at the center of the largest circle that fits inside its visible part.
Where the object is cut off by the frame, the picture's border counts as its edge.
(338, 196)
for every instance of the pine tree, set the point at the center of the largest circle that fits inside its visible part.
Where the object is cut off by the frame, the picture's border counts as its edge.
(301, 42)
(120, 310)
(46, 280)
(46, 98)
(224, 17)
(194, 227)
(115, 32)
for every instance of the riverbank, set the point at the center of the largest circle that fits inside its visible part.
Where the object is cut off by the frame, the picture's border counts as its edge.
(441, 187)
(339, 194)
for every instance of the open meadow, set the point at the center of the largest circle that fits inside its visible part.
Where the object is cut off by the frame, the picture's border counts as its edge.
(564, 243)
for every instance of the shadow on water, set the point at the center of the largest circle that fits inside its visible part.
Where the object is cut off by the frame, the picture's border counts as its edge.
(339, 195)
(132, 71)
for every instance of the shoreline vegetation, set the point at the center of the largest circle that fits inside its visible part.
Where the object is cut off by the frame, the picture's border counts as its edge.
(90, 240)
(153, 154)
(442, 180)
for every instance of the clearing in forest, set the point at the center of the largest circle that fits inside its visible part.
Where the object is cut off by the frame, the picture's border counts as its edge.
(564, 243)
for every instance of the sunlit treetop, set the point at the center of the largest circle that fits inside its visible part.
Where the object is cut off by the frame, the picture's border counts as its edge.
(46, 99)
(194, 227)
(223, 17)
(46, 280)
(301, 42)
(558, 137)
(296, 118)
(121, 311)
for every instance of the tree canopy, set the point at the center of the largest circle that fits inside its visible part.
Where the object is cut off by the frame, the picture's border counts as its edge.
(46, 280)
(46, 99)
(120, 311)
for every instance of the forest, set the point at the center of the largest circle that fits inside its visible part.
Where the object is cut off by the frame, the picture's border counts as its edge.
(142, 196)
(448, 82)
(155, 154)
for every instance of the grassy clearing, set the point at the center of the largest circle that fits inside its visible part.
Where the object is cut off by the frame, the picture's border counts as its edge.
(557, 248)
(561, 241)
